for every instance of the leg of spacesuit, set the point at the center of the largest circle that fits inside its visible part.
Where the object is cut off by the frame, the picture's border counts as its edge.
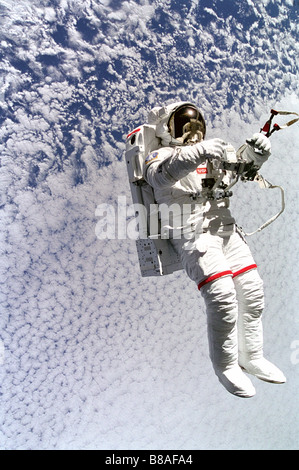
(250, 295)
(222, 314)
(204, 260)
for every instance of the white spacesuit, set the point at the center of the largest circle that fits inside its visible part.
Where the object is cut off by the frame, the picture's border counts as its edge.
(186, 172)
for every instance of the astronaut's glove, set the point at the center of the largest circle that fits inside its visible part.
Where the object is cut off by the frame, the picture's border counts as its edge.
(261, 144)
(213, 148)
(256, 151)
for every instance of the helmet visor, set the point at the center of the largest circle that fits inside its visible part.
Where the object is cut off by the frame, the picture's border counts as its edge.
(181, 117)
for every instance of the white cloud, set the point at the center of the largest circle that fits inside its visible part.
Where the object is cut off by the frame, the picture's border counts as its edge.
(95, 356)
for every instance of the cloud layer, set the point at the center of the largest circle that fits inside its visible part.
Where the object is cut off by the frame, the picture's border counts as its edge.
(94, 356)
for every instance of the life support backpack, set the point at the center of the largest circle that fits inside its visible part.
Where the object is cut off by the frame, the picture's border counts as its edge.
(156, 255)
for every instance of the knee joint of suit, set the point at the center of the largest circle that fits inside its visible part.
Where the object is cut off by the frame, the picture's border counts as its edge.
(220, 298)
(250, 291)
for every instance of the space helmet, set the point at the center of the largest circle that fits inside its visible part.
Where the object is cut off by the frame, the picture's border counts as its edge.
(178, 123)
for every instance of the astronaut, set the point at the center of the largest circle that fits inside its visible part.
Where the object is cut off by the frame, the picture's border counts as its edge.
(186, 171)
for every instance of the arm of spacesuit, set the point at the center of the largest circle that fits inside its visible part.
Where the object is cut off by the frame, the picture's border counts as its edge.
(182, 161)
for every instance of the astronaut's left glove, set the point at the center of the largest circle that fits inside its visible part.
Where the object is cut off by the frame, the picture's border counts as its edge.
(261, 144)
(256, 151)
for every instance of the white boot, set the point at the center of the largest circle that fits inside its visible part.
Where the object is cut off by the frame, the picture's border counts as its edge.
(263, 370)
(236, 382)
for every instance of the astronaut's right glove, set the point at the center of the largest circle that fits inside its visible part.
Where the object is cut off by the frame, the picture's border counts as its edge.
(213, 148)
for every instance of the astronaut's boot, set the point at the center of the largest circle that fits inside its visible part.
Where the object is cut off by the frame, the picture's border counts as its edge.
(222, 311)
(249, 288)
(236, 382)
(264, 370)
